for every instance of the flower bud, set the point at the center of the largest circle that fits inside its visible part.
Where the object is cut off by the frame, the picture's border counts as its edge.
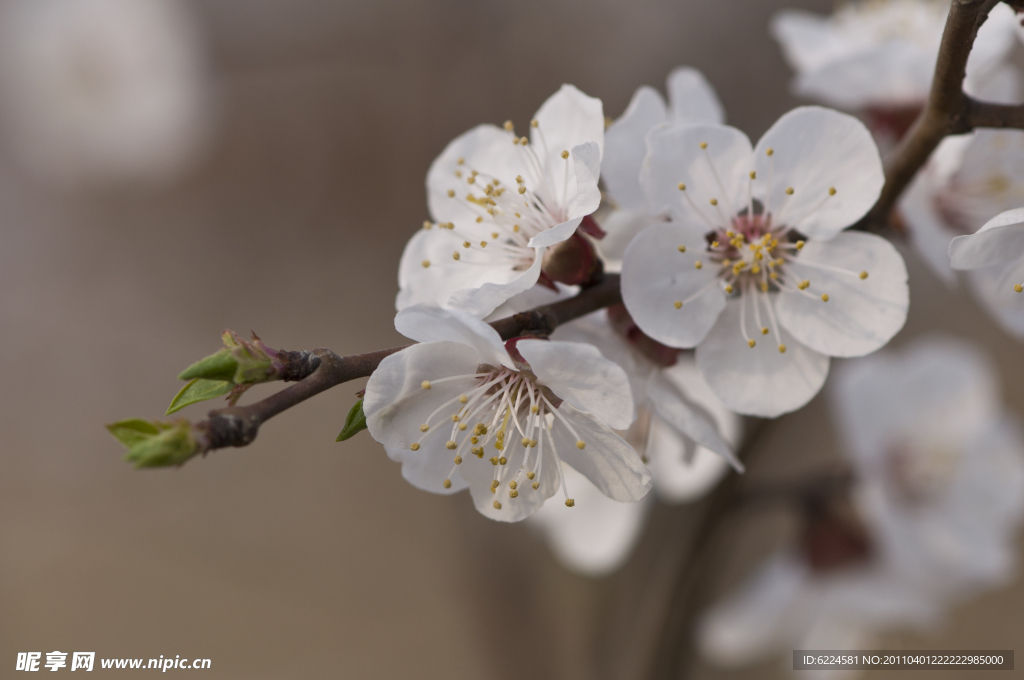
(156, 443)
(572, 262)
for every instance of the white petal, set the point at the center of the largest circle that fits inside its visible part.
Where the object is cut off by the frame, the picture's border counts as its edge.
(579, 374)
(586, 160)
(485, 299)
(894, 74)
(531, 298)
(620, 227)
(994, 288)
(929, 234)
(681, 476)
(479, 472)
(625, 148)
(999, 241)
(815, 150)
(672, 405)
(488, 150)
(567, 119)
(429, 470)
(443, 275)
(556, 234)
(607, 461)
(861, 315)
(719, 172)
(760, 380)
(424, 323)
(692, 98)
(597, 535)
(807, 40)
(655, 275)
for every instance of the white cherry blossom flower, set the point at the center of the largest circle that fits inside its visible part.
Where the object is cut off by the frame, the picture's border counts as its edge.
(939, 469)
(754, 269)
(994, 258)
(691, 99)
(463, 409)
(499, 201)
(103, 90)
(880, 54)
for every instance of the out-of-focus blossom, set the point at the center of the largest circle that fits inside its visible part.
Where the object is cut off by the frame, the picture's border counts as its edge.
(101, 91)
(754, 269)
(506, 210)
(994, 257)
(880, 54)
(683, 433)
(691, 99)
(516, 411)
(939, 494)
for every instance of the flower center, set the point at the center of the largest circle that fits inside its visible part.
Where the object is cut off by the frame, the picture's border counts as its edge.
(503, 417)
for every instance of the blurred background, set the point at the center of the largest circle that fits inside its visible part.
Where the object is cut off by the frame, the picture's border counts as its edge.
(279, 199)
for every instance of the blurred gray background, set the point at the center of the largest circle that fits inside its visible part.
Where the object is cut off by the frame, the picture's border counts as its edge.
(297, 556)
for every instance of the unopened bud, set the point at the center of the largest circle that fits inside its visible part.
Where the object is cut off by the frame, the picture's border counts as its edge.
(156, 443)
(572, 262)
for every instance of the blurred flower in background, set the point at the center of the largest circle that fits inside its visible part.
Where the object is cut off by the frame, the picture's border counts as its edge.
(938, 468)
(97, 92)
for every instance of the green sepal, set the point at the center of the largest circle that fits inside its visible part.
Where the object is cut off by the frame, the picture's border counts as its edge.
(174, 445)
(354, 422)
(199, 389)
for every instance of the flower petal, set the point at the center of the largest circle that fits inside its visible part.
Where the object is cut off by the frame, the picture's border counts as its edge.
(428, 324)
(484, 299)
(760, 380)
(717, 171)
(683, 472)
(621, 227)
(556, 234)
(579, 374)
(586, 159)
(567, 119)
(656, 275)
(891, 75)
(429, 471)
(672, 405)
(625, 148)
(480, 473)
(994, 288)
(607, 461)
(999, 241)
(808, 40)
(860, 315)
(691, 97)
(487, 149)
(816, 150)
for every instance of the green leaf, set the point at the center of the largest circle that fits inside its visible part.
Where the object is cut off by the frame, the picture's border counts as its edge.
(354, 422)
(219, 366)
(132, 431)
(174, 445)
(196, 391)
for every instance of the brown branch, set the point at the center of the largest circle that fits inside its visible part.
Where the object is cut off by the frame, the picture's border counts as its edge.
(948, 111)
(239, 425)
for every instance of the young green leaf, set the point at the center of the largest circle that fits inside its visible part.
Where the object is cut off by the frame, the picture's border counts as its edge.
(219, 366)
(354, 422)
(199, 389)
(132, 431)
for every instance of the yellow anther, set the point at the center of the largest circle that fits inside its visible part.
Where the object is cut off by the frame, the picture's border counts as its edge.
(495, 484)
(682, 186)
(512, 484)
(534, 408)
(677, 304)
(414, 447)
(1018, 288)
(799, 245)
(455, 255)
(494, 460)
(503, 460)
(530, 475)
(462, 426)
(698, 264)
(751, 343)
(463, 399)
(764, 331)
(682, 249)
(466, 244)
(425, 263)
(714, 244)
(455, 418)
(447, 483)
(494, 234)
(773, 276)
(753, 175)
(803, 284)
(769, 151)
(508, 125)
(483, 244)
(703, 145)
(831, 191)
(458, 460)
(424, 427)
(755, 269)
(534, 123)
(758, 255)
(427, 224)
(515, 227)
(782, 349)
(425, 384)
(526, 442)
(714, 201)
(729, 289)
(536, 485)
(451, 446)
(565, 154)
(522, 190)
(824, 297)
(513, 493)
(474, 440)
(763, 286)
(580, 444)
(524, 141)
(479, 219)
(497, 505)
(481, 429)
(569, 502)
(789, 191)
(863, 275)
(471, 179)
(477, 451)
(451, 193)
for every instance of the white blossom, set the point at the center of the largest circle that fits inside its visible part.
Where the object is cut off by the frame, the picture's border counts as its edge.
(691, 99)
(461, 410)
(880, 54)
(754, 268)
(498, 201)
(994, 258)
(939, 470)
(99, 91)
